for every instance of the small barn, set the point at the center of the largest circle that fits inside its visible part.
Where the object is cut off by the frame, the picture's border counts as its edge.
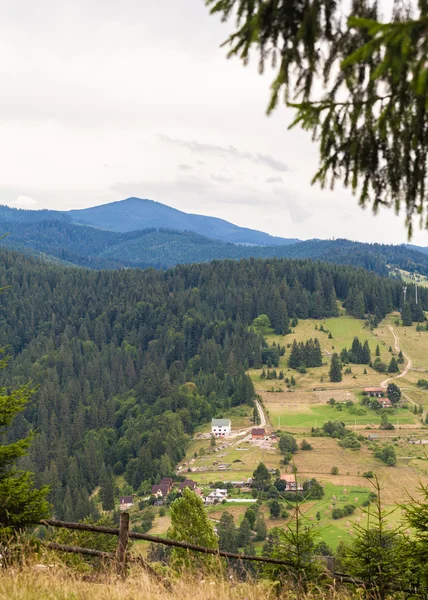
(258, 433)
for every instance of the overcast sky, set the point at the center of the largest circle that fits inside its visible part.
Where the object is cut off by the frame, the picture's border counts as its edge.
(102, 100)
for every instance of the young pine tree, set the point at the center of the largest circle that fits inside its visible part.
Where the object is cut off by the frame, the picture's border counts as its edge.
(20, 503)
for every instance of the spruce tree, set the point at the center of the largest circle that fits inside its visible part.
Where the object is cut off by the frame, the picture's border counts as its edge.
(260, 528)
(407, 315)
(244, 533)
(335, 369)
(368, 115)
(393, 366)
(365, 354)
(21, 504)
(227, 533)
(294, 360)
(377, 350)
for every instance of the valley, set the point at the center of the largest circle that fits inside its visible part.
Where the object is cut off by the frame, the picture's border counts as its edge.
(306, 406)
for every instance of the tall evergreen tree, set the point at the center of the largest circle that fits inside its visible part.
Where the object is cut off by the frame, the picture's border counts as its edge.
(335, 369)
(227, 533)
(393, 366)
(407, 315)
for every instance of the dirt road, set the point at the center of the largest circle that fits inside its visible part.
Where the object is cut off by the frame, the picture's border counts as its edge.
(408, 366)
(261, 413)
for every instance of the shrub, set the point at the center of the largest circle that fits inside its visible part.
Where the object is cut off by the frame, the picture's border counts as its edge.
(334, 470)
(305, 445)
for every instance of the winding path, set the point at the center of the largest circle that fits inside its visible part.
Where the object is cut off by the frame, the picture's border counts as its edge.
(408, 366)
(261, 413)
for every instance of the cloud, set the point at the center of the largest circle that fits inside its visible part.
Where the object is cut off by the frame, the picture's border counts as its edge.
(185, 167)
(227, 152)
(221, 179)
(201, 163)
(294, 206)
(274, 180)
(23, 202)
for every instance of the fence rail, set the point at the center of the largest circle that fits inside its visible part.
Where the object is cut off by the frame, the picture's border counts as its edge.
(122, 558)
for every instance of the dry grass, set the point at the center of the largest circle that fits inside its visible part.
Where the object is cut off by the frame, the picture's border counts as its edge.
(44, 582)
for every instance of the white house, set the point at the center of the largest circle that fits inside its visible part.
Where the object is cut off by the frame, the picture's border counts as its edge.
(217, 495)
(221, 427)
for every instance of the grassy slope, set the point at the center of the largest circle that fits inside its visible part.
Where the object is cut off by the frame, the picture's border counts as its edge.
(302, 409)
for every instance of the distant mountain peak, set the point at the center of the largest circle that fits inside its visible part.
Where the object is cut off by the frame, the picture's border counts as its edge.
(141, 213)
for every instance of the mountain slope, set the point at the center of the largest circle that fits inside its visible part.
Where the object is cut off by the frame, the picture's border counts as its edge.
(135, 213)
(55, 235)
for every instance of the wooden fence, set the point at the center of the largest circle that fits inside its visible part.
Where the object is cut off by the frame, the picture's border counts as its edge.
(122, 557)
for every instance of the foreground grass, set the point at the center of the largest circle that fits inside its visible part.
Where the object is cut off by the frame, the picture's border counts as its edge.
(56, 582)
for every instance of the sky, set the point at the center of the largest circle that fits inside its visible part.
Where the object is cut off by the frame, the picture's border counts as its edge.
(102, 100)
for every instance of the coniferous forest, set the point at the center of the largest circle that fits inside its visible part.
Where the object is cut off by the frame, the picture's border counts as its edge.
(125, 364)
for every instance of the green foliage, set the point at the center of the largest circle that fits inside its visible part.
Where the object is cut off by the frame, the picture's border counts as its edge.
(149, 352)
(261, 477)
(407, 315)
(190, 523)
(334, 470)
(87, 539)
(387, 454)
(350, 441)
(346, 511)
(313, 490)
(21, 504)
(260, 528)
(368, 116)
(244, 533)
(261, 324)
(227, 534)
(305, 354)
(359, 353)
(304, 445)
(274, 509)
(335, 372)
(393, 366)
(379, 555)
(287, 444)
(393, 393)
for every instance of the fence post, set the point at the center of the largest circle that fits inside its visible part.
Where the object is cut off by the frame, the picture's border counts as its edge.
(122, 546)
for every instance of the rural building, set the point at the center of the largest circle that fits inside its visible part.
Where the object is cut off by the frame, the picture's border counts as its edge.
(218, 495)
(221, 427)
(126, 502)
(189, 483)
(385, 403)
(375, 392)
(163, 489)
(258, 433)
(291, 485)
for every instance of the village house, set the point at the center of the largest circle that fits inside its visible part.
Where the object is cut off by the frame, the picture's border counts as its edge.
(385, 403)
(189, 483)
(163, 489)
(375, 392)
(221, 427)
(291, 485)
(258, 433)
(126, 502)
(217, 495)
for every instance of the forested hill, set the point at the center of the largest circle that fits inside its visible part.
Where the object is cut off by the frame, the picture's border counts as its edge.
(127, 363)
(137, 213)
(53, 234)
